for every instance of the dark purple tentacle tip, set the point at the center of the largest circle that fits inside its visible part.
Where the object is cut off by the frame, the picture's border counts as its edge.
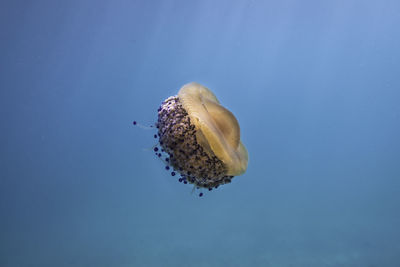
(134, 122)
(201, 194)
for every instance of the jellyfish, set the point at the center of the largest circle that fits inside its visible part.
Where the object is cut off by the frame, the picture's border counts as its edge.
(199, 138)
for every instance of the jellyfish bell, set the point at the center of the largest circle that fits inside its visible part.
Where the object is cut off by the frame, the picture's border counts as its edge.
(201, 137)
(218, 130)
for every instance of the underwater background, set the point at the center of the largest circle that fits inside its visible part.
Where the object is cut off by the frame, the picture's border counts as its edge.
(315, 86)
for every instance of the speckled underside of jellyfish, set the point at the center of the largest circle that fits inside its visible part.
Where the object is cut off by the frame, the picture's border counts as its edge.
(177, 137)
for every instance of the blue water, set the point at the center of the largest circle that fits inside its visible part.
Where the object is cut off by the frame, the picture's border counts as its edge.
(314, 85)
